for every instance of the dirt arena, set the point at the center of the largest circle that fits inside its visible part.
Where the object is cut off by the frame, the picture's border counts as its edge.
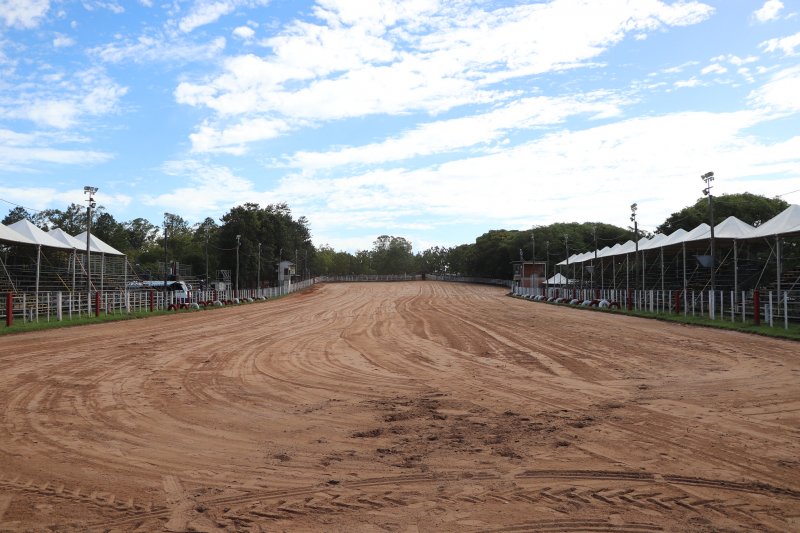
(398, 407)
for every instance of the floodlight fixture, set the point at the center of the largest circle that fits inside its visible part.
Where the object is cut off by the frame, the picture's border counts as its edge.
(708, 177)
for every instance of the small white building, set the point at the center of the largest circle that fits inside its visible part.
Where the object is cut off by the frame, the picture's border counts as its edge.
(286, 269)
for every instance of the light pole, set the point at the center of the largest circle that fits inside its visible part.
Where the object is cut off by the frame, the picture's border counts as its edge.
(566, 245)
(238, 242)
(634, 207)
(258, 275)
(708, 177)
(91, 191)
(166, 256)
(208, 282)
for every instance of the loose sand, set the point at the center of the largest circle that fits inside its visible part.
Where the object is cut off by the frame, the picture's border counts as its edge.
(398, 407)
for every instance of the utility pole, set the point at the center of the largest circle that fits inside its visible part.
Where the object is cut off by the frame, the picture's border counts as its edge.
(708, 177)
(634, 207)
(238, 242)
(258, 276)
(166, 277)
(208, 282)
(91, 191)
(566, 245)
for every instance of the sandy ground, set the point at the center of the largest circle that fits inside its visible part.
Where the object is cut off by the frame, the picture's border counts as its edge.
(398, 407)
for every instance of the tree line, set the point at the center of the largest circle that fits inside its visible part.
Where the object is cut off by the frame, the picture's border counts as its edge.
(264, 236)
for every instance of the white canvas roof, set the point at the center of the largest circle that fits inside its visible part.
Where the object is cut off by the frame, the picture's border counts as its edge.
(97, 243)
(655, 242)
(733, 228)
(8, 234)
(69, 240)
(558, 279)
(787, 221)
(676, 237)
(27, 229)
(703, 231)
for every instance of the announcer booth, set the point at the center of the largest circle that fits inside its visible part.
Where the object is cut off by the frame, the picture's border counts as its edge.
(529, 274)
(286, 273)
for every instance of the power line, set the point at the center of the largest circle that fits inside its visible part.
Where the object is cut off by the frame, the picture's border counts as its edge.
(26, 208)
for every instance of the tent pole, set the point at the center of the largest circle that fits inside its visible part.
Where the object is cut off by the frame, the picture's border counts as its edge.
(662, 271)
(627, 274)
(778, 267)
(685, 289)
(38, 268)
(102, 270)
(735, 271)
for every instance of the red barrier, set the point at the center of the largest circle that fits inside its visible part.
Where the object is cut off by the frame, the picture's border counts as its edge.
(152, 300)
(9, 309)
(97, 303)
(678, 302)
(757, 307)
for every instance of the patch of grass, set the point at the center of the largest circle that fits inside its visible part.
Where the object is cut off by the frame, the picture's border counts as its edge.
(43, 324)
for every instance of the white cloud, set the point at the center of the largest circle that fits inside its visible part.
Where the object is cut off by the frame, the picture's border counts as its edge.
(780, 93)
(20, 152)
(375, 58)
(691, 82)
(113, 6)
(734, 59)
(568, 175)
(769, 11)
(158, 48)
(714, 68)
(244, 32)
(209, 11)
(786, 44)
(63, 41)
(61, 102)
(23, 13)
(233, 139)
(453, 134)
(209, 188)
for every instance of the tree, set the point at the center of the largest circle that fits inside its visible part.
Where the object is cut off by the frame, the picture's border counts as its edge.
(139, 232)
(751, 208)
(72, 220)
(15, 215)
(392, 255)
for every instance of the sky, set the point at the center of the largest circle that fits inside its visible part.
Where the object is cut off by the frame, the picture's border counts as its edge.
(433, 120)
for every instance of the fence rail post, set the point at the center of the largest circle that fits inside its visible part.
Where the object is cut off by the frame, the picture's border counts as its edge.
(757, 307)
(9, 309)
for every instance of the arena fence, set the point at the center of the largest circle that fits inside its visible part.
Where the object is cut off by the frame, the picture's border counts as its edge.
(57, 306)
(372, 277)
(754, 306)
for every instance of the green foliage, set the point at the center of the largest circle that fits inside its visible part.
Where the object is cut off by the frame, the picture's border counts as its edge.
(15, 215)
(751, 208)
(266, 236)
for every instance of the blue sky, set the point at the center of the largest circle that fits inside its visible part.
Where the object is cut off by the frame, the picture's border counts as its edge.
(429, 119)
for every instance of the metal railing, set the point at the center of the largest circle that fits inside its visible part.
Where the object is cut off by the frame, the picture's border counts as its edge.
(58, 305)
(754, 306)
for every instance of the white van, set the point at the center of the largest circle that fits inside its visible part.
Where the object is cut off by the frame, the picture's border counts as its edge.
(180, 289)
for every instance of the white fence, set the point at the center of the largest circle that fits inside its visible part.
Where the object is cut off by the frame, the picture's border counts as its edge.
(768, 307)
(47, 306)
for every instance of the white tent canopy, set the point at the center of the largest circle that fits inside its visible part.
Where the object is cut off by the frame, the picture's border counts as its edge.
(558, 279)
(9, 235)
(97, 245)
(786, 222)
(71, 241)
(27, 229)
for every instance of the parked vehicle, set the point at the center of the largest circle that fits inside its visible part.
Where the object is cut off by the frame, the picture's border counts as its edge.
(180, 290)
